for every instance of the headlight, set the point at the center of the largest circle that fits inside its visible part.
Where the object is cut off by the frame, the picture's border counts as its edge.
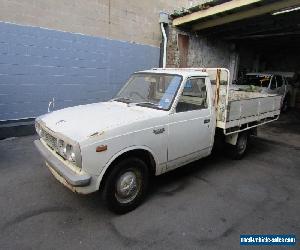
(70, 154)
(66, 151)
(61, 148)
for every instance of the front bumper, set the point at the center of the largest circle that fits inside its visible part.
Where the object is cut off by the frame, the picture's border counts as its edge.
(72, 178)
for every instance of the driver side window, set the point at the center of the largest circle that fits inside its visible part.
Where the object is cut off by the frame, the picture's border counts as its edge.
(194, 96)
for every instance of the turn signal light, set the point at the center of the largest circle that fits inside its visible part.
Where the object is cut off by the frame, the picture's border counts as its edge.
(101, 148)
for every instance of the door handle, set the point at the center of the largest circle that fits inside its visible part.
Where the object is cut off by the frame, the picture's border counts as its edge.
(206, 121)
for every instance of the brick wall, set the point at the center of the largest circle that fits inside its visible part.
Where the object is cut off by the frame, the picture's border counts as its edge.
(202, 51)
(38, 64)
(102, 43)
(87, 51)
(134, 20)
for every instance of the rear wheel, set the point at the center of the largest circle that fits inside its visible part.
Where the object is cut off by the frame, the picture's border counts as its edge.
(238, 150)
(285, 104)
(126, 185)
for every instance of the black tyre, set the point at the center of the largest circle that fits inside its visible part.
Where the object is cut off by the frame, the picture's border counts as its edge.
(238, 150)
(126, 185)
(285, 104)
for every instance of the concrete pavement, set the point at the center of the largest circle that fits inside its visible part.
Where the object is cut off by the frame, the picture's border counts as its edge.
(205, 205)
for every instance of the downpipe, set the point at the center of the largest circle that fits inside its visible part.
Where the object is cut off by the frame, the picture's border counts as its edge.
(165, 44)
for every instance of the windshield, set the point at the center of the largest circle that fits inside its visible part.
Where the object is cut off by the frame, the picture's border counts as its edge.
(256, 80)
(151, 90)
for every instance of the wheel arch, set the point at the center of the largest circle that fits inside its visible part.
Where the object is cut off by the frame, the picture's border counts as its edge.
(142, 152)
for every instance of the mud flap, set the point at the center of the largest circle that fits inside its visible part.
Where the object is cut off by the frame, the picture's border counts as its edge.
(232, 138)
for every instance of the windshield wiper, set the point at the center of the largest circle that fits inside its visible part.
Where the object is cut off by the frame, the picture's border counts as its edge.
(129, 101)
(122, 99)
(146, 103)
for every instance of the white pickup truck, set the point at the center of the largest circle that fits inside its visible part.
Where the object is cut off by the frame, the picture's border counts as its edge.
(160, 120)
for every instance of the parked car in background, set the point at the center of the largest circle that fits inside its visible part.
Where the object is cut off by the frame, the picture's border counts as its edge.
(290, 77)
(269, 83)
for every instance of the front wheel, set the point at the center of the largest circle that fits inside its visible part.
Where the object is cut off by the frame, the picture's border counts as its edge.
(285, 104)
(126, 185)
(238, 150)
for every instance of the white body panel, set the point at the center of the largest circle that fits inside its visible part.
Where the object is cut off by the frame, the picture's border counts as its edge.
(189, 136)
(244, 108)
(80, 122)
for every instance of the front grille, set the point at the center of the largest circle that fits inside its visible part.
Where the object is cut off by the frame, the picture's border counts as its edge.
(50, 140)
(56, 144)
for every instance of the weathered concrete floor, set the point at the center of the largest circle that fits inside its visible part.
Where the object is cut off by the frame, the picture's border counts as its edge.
(204, 206)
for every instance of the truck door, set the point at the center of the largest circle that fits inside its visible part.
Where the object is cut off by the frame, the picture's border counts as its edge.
(191, 126)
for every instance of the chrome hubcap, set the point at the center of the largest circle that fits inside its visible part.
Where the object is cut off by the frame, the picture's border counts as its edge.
(127, 187)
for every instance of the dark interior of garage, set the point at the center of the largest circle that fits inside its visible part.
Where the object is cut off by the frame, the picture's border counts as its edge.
(264, 36)
(265, 43)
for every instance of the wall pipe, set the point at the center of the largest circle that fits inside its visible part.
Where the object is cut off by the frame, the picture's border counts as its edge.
(165, 44)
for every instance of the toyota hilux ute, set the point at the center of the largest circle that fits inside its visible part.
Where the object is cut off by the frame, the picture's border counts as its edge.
(160, 120)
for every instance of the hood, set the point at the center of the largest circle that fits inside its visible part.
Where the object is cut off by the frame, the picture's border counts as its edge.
(80, 122)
